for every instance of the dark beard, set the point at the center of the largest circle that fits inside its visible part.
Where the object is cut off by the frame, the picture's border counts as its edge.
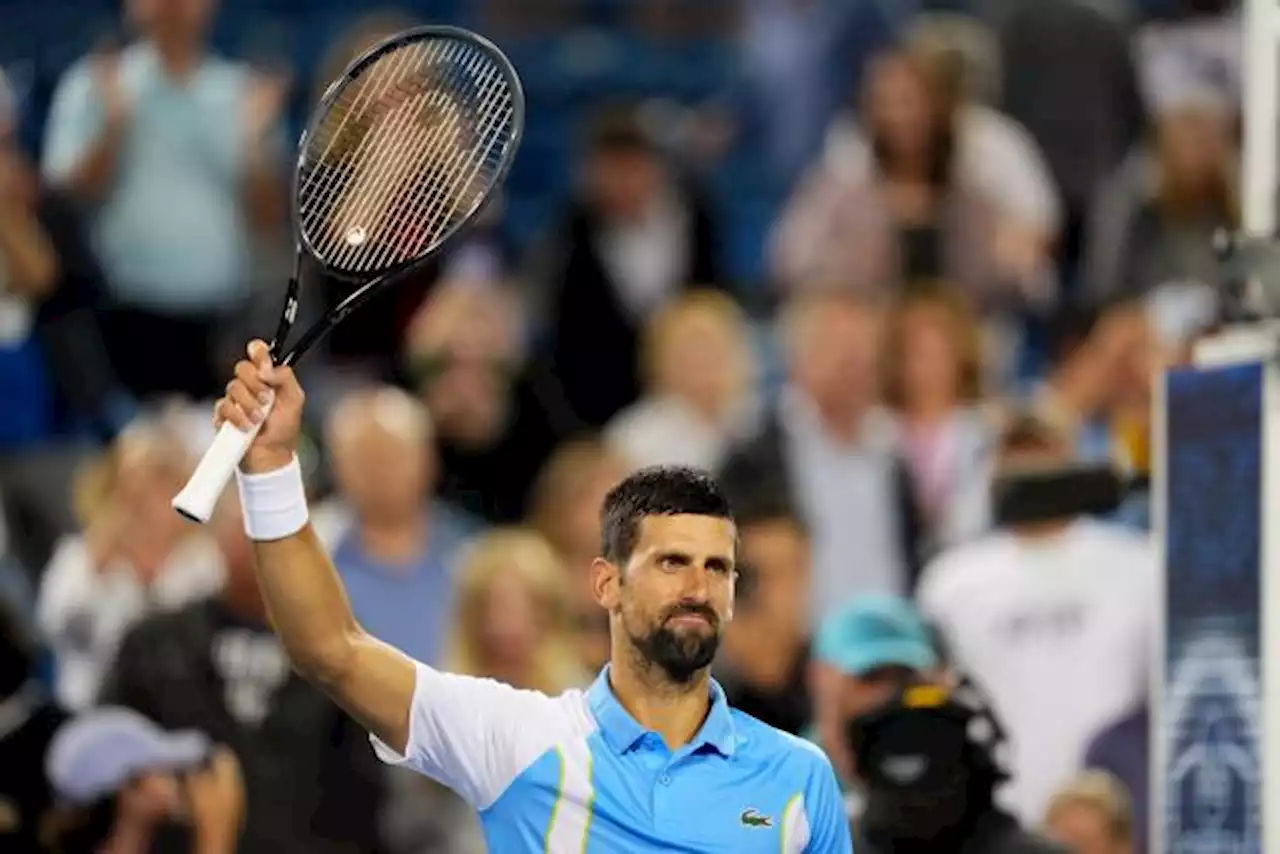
(680, 658)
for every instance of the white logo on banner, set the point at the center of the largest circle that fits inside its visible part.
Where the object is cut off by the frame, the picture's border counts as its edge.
(1211, 741)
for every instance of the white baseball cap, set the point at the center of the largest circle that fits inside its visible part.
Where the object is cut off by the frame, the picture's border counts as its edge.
(96, 753)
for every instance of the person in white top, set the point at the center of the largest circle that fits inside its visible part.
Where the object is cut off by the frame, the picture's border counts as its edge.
(133, 557)
(1054, 620)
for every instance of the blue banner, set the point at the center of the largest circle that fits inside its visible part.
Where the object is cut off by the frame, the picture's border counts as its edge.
(1210, 736)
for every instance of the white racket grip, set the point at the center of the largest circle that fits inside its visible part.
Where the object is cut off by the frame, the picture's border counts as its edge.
(216, 469)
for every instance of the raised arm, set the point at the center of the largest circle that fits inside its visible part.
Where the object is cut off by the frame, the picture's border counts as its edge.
(309, 609)
(473, 735)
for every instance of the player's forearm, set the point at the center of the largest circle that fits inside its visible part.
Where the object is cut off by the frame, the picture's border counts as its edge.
(307, 605)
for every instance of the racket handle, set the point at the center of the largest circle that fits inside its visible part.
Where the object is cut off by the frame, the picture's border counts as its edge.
(215, 470)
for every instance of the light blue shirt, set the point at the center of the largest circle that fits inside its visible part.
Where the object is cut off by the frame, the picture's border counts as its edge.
(170, 231)
(576, 774)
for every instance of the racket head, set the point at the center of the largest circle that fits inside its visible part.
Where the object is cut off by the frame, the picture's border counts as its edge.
(404, 150)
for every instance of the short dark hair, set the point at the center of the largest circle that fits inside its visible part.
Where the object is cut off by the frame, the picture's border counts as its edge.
(655, 491)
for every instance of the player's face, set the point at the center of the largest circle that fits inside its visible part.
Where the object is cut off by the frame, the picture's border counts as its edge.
(676, 592)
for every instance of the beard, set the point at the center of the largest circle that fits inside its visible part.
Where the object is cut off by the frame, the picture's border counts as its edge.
(679, 654)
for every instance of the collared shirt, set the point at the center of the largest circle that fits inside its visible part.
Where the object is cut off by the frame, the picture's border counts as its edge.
(847, 492)
(576, 774)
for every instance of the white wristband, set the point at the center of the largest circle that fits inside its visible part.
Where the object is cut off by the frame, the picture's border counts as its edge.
(274, 503)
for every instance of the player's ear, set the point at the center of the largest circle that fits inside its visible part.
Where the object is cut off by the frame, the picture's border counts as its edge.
(606, 579)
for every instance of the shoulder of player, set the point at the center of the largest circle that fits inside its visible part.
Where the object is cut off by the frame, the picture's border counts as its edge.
(757, 741)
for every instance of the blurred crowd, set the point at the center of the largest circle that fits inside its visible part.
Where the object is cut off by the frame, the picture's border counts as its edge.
(991, 228)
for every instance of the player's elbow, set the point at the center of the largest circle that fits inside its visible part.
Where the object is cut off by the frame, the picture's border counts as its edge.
(325, 663)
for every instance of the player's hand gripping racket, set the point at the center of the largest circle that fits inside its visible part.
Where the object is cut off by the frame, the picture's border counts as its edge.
(402, 152)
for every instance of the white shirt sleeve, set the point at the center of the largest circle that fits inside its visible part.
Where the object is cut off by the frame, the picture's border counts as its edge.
(477, 735)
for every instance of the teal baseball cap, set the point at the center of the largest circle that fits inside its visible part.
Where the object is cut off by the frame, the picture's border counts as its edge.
(872, 632)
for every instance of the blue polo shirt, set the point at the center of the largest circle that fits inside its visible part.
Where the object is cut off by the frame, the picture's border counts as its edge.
(576, 774)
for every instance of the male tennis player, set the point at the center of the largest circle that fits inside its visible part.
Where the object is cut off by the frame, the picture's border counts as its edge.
(649, 758)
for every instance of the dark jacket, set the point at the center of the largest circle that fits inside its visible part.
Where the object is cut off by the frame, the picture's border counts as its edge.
(594, 338)
(312, 782)
(759, 470)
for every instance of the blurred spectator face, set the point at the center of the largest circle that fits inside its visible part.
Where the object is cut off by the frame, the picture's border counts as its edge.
(899, 108)
(1083, 828)
(463, 347)
(126, 502)
(699, 352)
(624, 181)
(932, 355)
(171, 19)
(776, 553)
(568, 496)
(382, 459)
(835, 347)
(240, 587)
(512, 624)
(1194, 146)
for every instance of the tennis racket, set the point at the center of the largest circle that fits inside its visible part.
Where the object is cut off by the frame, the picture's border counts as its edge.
(400, 155)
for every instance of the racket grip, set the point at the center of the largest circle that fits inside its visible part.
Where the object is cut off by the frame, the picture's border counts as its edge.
(214, 471)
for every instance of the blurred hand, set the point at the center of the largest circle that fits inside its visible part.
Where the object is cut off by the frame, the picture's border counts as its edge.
(17, 188)
(264, 104)
(216, 796)
(115, 101)
(261, 391)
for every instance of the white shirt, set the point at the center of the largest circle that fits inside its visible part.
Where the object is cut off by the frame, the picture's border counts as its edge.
(664, 431)
(1058, 632)
(85, 612)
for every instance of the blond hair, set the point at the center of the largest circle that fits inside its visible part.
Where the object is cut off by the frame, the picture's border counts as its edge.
(152, 442)
(719, 308)
(1100, 791)
(521, 553)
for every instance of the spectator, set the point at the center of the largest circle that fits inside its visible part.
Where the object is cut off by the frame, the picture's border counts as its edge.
(566, 511)
(933, 381)
(764, 662)
(864, 652)
(55, 379)
(174, 152)
(30, 720)
(513, 617)
(133, 557)
(397, 552)
(1122, 750)
(907, 207)
(1092, 815)
(127, 785)
(700, 386)
(1152, 229)
(1052, 619)
(497, 414)
(635, 237)
(1100, 393)
(829, 449)
(999, 156)
(312, 786)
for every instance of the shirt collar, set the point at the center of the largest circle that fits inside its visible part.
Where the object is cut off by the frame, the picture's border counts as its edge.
(622, 732)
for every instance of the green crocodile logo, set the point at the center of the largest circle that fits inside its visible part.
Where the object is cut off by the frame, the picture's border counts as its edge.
(752, 818)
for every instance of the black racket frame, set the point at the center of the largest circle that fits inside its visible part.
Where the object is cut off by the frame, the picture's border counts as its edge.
(394, 274)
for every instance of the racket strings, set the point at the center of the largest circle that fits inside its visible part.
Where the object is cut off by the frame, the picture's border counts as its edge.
(458, 188)
(409, 148)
